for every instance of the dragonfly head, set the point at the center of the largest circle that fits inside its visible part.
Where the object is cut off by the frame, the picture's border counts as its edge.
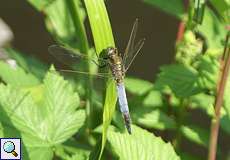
(111, 52)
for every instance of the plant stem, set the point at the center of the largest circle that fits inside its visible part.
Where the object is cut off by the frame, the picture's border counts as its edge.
(84, 48)
(181, 27)
(180, 32)
(218, 103)
(79, 26)
(180, 120)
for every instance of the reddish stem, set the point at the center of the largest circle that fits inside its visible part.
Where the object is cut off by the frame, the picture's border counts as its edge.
(180, 32)
(181, 27)
(218, 103)
(228, 27)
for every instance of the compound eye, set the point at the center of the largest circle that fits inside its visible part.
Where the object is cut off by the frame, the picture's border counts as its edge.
(111, 51)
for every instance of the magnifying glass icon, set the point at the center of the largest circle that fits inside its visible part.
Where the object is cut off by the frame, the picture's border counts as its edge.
(9, 147)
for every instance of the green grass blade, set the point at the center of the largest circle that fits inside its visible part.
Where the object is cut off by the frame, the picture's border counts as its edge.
(103, 38)
(100, 25)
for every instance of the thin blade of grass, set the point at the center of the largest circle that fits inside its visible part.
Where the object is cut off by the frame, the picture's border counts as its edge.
(103, 38)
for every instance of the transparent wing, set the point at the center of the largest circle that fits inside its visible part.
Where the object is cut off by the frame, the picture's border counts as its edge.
(134, 53)
(69, 56)
(132, 50)
(131, 40)
(100, 75)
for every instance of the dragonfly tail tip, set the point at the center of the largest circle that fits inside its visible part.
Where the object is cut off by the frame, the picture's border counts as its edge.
(128, 123)
(129, 131)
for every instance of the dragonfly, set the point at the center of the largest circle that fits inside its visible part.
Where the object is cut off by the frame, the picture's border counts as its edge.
(114, 60)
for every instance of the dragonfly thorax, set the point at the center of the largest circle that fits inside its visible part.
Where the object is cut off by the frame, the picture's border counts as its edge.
(115, 63)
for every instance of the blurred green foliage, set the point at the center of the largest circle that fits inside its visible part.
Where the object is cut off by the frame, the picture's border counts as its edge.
(61, 118)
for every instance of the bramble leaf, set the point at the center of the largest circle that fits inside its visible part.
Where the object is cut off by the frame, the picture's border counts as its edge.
(150, 118)
(137, 86)
(41, 127)
(182, 80)
(140, 145)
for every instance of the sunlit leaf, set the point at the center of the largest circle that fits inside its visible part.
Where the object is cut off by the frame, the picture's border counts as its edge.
(153, 99)
(17, 76)
(204, 102)
(213, 30)
(196, 134)
(42, 127)
(141, 145)
(181, 79)
(19, 112)
(137, 86)
(208, 68)
(60, 108)
(188, 49)
(152, 118)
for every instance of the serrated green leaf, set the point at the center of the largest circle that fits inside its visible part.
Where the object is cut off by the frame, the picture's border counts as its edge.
(60, 104)
(204, 102)
(173, 7)
(137, 86)
(141, 145)
(208, 68)
(181, 79)
(42, 127)
(152, 119)
(19, 107)
(20, 113)
(17, 76)
(196, 134)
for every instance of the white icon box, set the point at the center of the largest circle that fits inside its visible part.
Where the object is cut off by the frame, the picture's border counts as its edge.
(10, 149)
